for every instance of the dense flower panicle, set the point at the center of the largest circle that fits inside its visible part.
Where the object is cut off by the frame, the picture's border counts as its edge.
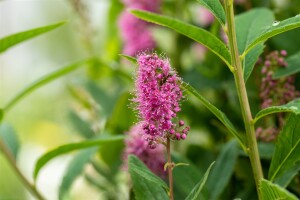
(158, 95)
(135, 32)
(137, 145)
(274, 92)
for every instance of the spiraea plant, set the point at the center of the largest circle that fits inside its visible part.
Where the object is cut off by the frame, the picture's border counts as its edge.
(206, 108)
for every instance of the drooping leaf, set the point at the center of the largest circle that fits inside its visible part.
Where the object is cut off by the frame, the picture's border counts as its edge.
(83, 128)
(270, 191)
(286, 161)
(17, 38)
(222, 171)
(292, 68)
(197, 189)
(293, 107)
(273, 29)
(216, 8)
(146, 185)
(248, 26)
(219, 114)
(198, 34)
(10, 138)
(43, 81)
(44, 159)
(74, 169)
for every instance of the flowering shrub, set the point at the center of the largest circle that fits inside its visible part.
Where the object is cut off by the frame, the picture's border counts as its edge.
(207, 109)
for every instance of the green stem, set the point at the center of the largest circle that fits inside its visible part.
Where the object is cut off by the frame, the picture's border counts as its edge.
(6, 152)
(243, 98)
(170, 169)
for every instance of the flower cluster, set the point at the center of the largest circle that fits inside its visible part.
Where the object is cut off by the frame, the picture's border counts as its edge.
(137, 145)
(158, 95)
(275, 92)
(135, 32)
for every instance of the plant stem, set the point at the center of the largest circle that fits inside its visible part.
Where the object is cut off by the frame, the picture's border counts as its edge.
(6, 152)
(170, 169)
(243, 98)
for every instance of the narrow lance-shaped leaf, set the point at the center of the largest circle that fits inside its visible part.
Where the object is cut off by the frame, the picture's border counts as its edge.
(198, 34)
(222, 171)
(216, 8)
(270, 191)
(197, 189)
(274, 29)
(286, 161)
(219, 114)
(293, 107)
(74, 169)
(43, 81)
(43, 160)
(16, 38)
(146, 185)
(293, 67)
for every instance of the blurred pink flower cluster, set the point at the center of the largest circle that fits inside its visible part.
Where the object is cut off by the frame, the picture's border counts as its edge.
(135, 32)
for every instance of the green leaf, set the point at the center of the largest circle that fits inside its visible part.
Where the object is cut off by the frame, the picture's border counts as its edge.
(292, 68)
(10, 138)
(219, 114)
(272, 30)
(146, 185)
(44, 159)
(74, 169)
(129, 58)
(272, 191)
(197, 189)
(198, 34)
(221, 173)
(286, 160)
(81, 126)
(43, 81)
(248, 26)
(293, 107)
(216, 8)
(14, 39)
(1, 114)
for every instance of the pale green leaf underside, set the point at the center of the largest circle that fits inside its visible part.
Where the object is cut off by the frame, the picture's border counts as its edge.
(271, 191)
(271, 31)
(198, 34)
(248, 26)
(44, 159)
(286, 156)
(197, 189)
(219, 114)
(43, 81)
(216, 8)
(292, 68)
(11, 40)
(293, 106)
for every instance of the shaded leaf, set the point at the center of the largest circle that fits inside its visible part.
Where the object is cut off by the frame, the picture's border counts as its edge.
(44, 159)
(80, 125)
(17, 38)
(216, 8)
(75, 169)
(198, 34)
(270, 191)
(286, 161)
(292, 68)
(1, 114)
(197, 189)
(10, 138)
(219, 114)
(248, 26)
(221, 173)
(43, 81)
(274, 29)
(146, 185)
(293, 107)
